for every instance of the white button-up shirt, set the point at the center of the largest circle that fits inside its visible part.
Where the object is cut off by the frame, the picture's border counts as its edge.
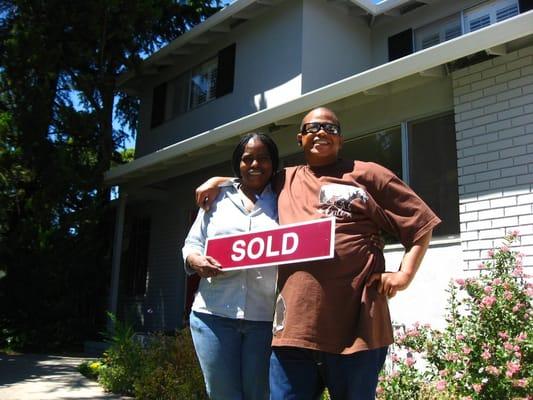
(243, 294)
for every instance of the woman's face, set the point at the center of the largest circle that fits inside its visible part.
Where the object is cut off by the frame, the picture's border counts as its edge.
(255, 166)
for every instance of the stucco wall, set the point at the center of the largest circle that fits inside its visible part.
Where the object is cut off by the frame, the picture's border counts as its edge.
(494, 126)
(335, 44)
(267, 73)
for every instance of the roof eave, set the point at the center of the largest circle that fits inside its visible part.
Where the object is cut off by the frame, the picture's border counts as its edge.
(494, 35)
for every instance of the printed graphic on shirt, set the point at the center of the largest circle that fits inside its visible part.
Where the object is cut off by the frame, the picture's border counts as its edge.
(279, 315)
(335, 199)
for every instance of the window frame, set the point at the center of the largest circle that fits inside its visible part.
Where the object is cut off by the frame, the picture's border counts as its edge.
(406, 150)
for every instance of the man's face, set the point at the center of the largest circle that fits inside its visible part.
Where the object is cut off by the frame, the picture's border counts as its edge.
(320, 148)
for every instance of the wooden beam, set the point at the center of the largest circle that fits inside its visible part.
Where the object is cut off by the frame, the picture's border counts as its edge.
(500, 50)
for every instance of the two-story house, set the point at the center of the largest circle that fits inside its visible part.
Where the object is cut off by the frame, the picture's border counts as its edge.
(439, 91)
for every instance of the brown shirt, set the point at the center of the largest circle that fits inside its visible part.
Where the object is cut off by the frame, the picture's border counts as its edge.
(324, 304)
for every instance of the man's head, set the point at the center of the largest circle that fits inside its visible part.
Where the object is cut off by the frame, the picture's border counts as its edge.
(320, 137)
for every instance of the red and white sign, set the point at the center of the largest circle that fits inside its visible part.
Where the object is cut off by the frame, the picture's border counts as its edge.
(307, 241)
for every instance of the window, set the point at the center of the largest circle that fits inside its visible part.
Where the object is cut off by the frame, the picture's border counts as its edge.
(135, 256)
(211, 79)
(489, 13)
(424, 155)
(400, 44)
(438, 32)
(433, 168)
(384, 147)
(159, 101)
(204, 83)
(469, 20)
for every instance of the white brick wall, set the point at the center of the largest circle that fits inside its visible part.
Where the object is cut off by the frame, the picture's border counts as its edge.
(494, 123)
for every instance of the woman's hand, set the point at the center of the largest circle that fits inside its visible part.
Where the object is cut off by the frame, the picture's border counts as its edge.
(207, 192)
(205, 266)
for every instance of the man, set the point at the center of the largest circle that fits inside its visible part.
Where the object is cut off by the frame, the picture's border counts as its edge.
(332, 326)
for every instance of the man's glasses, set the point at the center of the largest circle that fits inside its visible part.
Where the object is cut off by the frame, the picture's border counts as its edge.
(315, 127)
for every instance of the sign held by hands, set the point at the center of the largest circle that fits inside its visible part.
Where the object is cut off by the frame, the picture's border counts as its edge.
(287, 244)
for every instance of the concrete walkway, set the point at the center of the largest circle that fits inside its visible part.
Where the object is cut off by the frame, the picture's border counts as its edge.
(44, 377)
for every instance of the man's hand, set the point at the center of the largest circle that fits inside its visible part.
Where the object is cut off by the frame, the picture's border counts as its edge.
(207, 192)
(205, 266)
(389, 283)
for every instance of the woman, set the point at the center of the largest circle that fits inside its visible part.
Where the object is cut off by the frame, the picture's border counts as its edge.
(231, 318)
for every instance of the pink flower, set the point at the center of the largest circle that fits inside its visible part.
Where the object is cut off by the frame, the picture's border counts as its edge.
(517, 307)
(488, 301)
(394, 357)
(460, 336)
(413, 333)
(518, 271)
(379, 390)
(486, 354)
(451, 357)
(520, 382)
(467, 350)
(508, 346)
(514, 233)
(490, 253)
(460, 282)
(441, 385)
(512, 368)
(521, 337)
(504, 335)
(410, 361)
(496, 281)
(488, 289)
(477, 387)
(491, 369)
(508, 295)
(481, 266)
(443, 372)
(504, 249)
(466, 398)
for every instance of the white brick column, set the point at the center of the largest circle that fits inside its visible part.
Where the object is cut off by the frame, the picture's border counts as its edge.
(494, 126)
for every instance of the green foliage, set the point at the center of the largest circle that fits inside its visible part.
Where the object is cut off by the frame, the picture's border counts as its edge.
(166, 368)
(486, 350)
(122, 362)
(90, 369)
(58, 86)
(170, 370)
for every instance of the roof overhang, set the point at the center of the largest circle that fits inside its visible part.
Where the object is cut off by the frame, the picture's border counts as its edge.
(491, 38)
(221, 23)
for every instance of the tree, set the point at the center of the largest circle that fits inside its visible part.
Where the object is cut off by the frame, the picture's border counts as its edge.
(55, 216)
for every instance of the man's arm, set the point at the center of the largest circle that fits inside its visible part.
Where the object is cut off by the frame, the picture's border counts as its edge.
(207, 192)
(389, 283)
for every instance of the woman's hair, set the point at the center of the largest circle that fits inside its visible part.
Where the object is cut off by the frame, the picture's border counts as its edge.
(239, 150)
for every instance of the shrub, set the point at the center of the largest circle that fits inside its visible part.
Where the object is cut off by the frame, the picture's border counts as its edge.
(122, 362)
(486, 349)
(90, 369)
(170, 370)
(166, 368)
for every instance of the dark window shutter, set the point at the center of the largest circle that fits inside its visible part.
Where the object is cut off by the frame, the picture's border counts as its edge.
(159, 100)
(226, 70)
(525, 5)
(401, 44)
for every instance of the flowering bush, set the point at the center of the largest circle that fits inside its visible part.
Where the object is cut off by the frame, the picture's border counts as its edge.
(159, 367)
(486, 349)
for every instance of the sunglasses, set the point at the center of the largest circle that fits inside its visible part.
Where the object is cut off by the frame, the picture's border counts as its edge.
(315, 127)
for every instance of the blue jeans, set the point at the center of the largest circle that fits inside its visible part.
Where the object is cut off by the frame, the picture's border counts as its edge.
(234, 356)
(302, 374)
